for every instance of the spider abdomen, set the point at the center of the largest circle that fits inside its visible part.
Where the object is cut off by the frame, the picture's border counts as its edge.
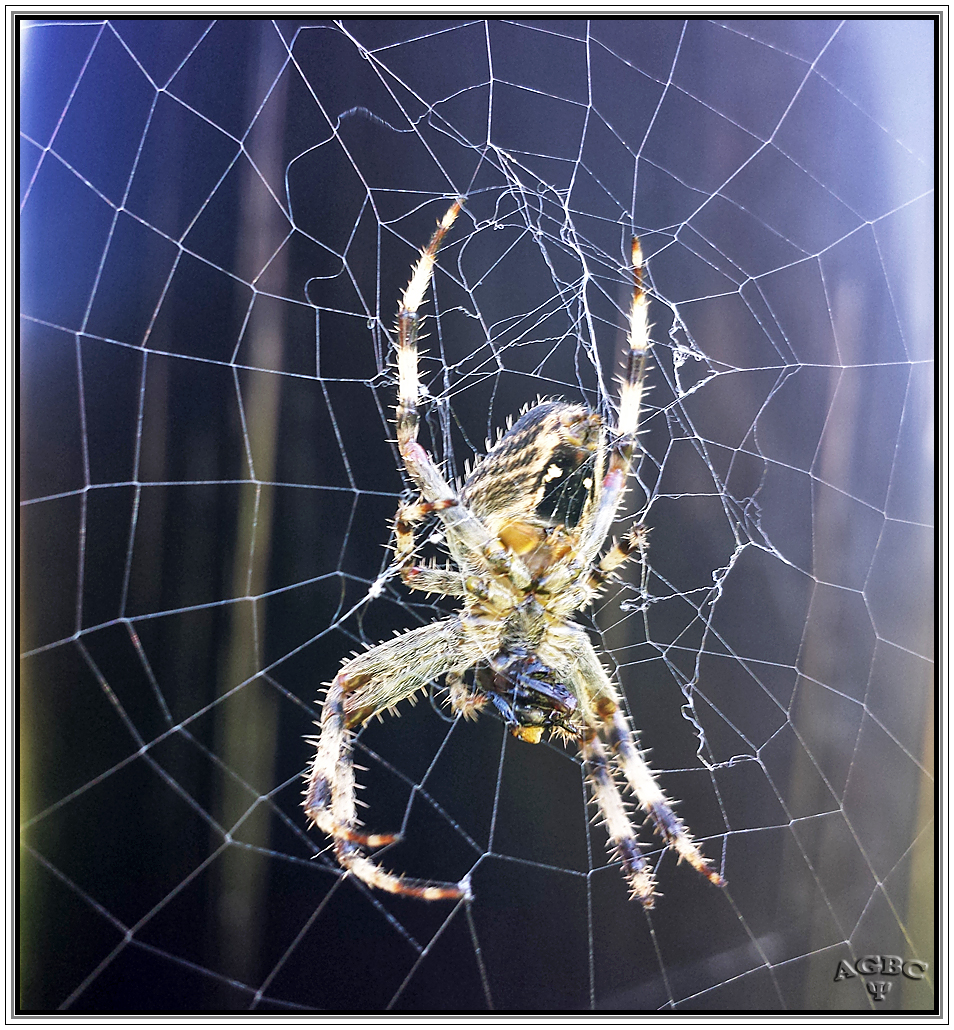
(542, 470)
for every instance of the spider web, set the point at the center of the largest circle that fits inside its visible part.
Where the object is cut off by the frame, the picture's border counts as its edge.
(217, 218)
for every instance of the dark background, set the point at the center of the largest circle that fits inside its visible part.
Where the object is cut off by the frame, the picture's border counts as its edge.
(216, 221)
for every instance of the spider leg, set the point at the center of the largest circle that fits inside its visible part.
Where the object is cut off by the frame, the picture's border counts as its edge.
(463, 701)
(409, 325)
(622, 835)
(650, 795)
(631, 390)
(430, 579)
(635, 541)
(368, 684)
(601, 703)
(427, 578)
(638, 347)
(467, 536)
(408, 516)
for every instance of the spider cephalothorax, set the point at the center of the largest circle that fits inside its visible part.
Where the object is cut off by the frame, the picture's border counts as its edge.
(524, 533)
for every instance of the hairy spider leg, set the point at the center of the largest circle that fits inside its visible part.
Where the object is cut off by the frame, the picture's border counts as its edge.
(370, 684)
(469, 540)
(427, 578)
(605, 707)
(408, 327)
(650, 795)
(619, 828)
(631, 391)
(463, 701)
(636, 540)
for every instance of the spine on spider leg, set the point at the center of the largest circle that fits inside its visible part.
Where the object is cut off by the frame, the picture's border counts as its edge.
(408, 327)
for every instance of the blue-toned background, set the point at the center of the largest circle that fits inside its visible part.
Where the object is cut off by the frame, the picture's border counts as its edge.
(216, 221)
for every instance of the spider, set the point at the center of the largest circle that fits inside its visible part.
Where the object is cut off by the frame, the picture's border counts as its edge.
(524, 532)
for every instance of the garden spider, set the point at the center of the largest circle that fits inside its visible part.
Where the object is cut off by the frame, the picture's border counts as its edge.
(524, 533)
